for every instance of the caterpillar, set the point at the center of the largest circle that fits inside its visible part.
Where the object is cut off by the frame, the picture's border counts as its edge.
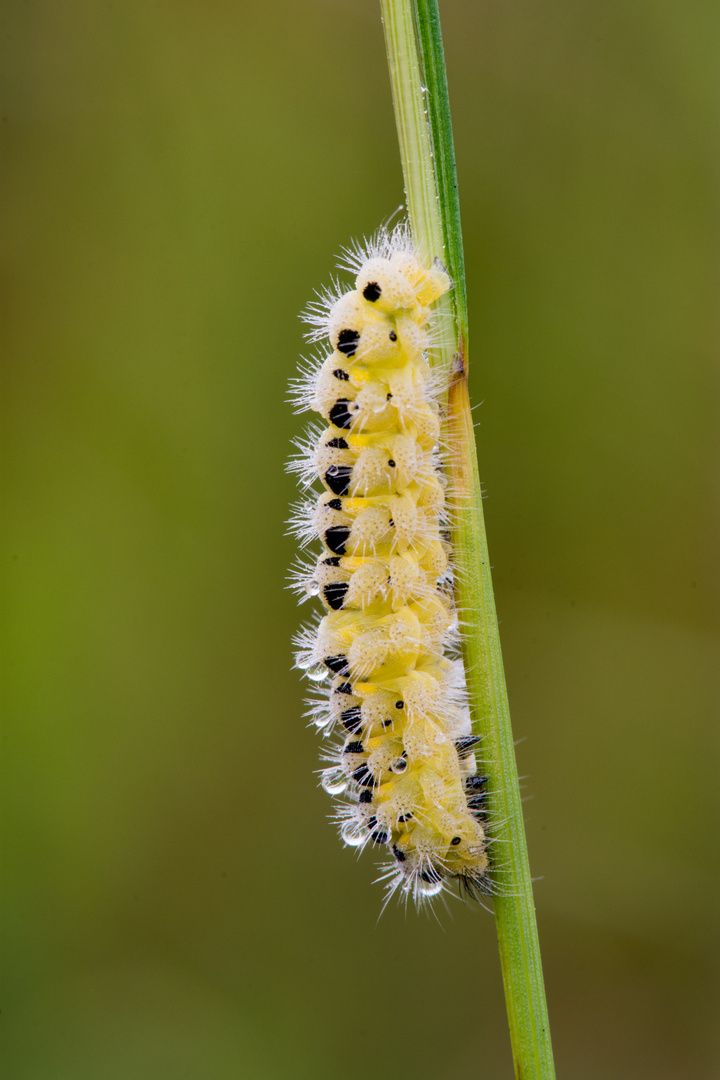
(383, 655)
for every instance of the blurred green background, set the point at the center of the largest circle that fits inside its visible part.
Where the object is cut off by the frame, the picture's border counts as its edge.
(178, 178)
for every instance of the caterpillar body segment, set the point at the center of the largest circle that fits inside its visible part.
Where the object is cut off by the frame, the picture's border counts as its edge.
(402, 760)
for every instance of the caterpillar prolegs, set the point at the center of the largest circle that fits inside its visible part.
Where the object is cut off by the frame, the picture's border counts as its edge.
(405, 772)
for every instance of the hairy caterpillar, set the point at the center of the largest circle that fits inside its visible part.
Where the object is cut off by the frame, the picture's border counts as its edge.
(401, 757)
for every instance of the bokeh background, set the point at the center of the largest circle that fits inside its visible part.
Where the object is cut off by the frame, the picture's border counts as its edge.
(178, 178)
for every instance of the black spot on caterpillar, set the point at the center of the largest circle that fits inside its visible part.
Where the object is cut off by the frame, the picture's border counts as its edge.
(363, 776)
(476, 804)
(336, 538)
(338, 477)
(340, 413)
(466, 745)
(335, 594)
(338, 664)
(337, 444)
(351, 719)
(347, 342)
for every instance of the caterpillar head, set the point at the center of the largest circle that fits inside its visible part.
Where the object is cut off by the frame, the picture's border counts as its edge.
(443, 845)
(466, 851)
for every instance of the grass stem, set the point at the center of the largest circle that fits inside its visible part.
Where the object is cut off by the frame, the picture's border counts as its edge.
(417, 73)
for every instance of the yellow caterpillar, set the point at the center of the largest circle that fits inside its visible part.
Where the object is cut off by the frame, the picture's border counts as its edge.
(405, 770)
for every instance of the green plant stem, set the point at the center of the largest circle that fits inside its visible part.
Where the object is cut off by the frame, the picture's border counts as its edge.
(417, 73)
